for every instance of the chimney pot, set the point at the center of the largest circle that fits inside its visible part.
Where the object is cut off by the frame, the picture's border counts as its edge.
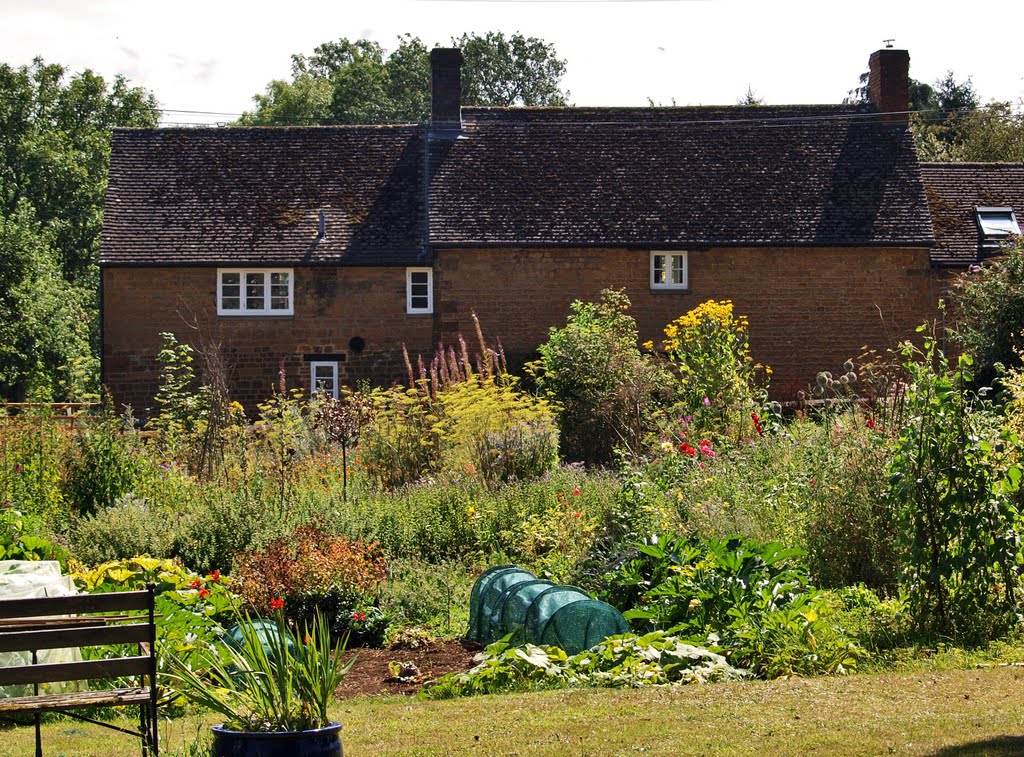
(446, 89)
(889, 84)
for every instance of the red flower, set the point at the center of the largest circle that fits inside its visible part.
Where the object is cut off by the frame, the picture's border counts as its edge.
(204, 593)
(276, 604)
(687, 450)
(577, 515)
(215, 576)
(195, 584)
(358, 616)
(871, 423)
(576, 492)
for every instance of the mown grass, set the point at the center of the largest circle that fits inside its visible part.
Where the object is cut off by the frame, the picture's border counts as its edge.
(958, 712)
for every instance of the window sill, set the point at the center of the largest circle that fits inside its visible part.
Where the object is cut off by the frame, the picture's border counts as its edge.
(669, 290)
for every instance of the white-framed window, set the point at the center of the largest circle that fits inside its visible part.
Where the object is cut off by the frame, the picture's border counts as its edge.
(323, 377)
(419, 290)
(255, 291)
(996, 225)
(669, 270)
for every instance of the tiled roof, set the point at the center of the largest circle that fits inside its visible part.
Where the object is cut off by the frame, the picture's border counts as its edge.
(954, 190)
(798, 175)
(254, 195)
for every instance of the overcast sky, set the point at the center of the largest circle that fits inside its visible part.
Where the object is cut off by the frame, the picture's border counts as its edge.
(214, 55)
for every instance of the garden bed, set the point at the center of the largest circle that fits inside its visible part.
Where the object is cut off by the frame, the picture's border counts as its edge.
(372, 676)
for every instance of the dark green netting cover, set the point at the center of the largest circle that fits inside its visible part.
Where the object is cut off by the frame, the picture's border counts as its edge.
(510, 600)
(487, 592)
(578, 626)
(510, 612)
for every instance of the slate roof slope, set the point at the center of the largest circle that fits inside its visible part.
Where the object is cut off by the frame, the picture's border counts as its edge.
(254, 195)
(796, 175)
(954, 190)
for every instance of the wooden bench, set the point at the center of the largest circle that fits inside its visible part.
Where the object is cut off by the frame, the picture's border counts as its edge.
(30, 625)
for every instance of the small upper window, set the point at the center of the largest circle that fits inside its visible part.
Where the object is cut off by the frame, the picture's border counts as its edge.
(324, 378)
(266, 291)
(419, 290)
(996, 224)
(669, 270)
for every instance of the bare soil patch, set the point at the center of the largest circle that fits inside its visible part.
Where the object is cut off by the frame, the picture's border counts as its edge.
(372, 673)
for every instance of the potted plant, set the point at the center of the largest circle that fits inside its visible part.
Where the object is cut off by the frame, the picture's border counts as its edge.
(273, 689)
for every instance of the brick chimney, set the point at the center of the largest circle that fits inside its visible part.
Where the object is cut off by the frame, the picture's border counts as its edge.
(889, 84)
(446, 89)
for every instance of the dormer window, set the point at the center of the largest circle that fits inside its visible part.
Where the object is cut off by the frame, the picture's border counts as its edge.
(995, 225)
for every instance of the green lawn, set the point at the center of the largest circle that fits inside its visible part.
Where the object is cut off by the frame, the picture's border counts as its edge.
(969, 712)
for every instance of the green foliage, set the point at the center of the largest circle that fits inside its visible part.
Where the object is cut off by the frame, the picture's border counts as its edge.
(430, 596)
(355, 82)
(402, 445)
(33, 456)
(626, 661)
(23, 537)
(102, 467)
(607, 391)
(953, 485)
(493, 429)
(273, 681)
(191, 607)
(754, 602)
(988, 305)
(54, 155)
(44, 320)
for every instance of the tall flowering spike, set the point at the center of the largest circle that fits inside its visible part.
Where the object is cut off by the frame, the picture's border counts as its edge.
(408, 367)
(281, 378)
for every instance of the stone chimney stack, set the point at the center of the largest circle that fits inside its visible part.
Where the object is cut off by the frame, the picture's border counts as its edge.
(446, 89)
(889, 84)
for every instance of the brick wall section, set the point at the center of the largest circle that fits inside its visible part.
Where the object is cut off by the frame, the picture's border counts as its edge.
(810, 309)
(332, 305)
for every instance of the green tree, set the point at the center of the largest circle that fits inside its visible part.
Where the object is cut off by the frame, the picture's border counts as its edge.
(55, 135)
(44, 325)
(348, 82)
(992, 133)
(55, 151)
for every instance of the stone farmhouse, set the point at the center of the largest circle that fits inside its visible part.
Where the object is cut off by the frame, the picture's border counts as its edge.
(329, 248)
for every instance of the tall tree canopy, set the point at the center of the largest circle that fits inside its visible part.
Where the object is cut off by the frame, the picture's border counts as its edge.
(347, 82)
(54, 157)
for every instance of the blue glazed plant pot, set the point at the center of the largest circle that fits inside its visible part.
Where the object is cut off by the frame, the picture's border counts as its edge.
(323, 742)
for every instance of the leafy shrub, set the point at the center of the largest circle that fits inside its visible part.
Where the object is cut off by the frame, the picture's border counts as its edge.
(754, 601)
(23, 537)
(988, 310)
(627, 661)
(192, 608)
(310, 570)
(33, 456)
(103, 465)
(954, 481)
(606, 390)
(130, 527)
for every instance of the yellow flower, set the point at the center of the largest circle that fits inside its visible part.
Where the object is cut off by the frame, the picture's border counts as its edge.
(470, 511)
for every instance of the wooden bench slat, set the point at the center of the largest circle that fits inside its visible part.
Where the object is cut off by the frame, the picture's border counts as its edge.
(118, 601)
(75, 671)
(75, 700)
(87, 636)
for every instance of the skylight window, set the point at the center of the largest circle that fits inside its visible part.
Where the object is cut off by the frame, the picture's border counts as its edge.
(997, 222)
